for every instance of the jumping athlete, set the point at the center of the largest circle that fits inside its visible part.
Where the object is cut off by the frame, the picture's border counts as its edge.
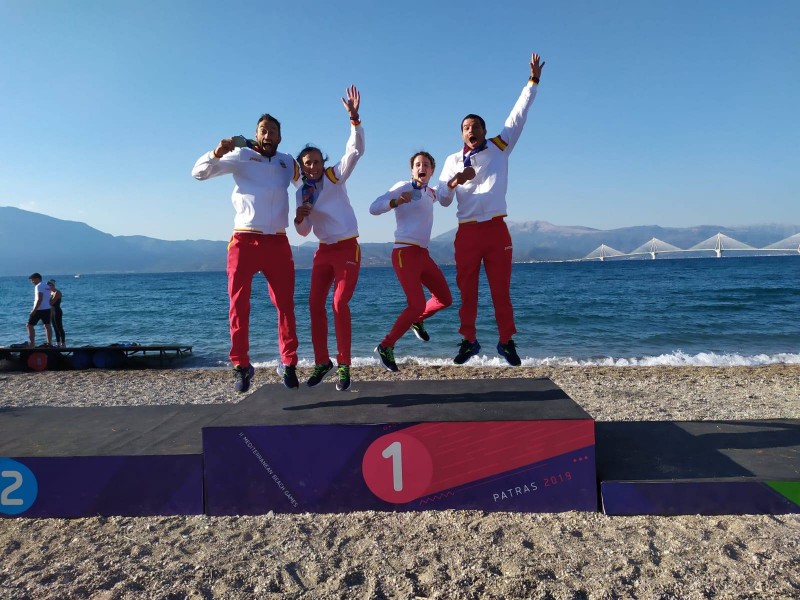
(478, 177)
(259, 243)
(324, 208)
(412, 202)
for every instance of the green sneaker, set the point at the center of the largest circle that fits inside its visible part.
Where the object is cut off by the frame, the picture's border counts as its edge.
(343, 371)
(319, 373)
(419, 331)
(289, 375)
(386, 354)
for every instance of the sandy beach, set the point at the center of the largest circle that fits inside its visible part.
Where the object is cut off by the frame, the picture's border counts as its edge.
(450, 554)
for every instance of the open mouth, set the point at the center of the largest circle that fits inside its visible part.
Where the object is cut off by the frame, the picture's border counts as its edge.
(472, 139)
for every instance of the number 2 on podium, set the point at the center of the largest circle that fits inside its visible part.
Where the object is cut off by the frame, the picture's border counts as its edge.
(5, 497)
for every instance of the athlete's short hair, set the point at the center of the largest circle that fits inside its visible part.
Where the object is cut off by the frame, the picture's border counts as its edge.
(270, 119)
(476, 117)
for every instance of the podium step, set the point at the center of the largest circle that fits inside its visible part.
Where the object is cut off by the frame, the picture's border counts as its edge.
(496, 445)
(80, 462)
(705, 467)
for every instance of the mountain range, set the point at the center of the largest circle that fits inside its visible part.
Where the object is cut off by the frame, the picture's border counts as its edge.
(31, 242)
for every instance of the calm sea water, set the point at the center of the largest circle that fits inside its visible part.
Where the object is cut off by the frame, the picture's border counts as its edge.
(728, 311)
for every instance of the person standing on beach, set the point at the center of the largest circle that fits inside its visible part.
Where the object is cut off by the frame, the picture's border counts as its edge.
(478, 177)
(259, 242)
(323, 207)
(40, 310)
(412, 202)
(56, 314)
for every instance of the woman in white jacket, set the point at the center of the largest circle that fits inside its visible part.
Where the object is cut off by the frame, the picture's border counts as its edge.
(412, 202)
(324, 208)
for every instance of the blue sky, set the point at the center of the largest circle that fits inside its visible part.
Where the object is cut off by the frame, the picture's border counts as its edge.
(674, 113)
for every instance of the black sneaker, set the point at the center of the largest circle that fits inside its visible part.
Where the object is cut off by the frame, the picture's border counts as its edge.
(387, 357)
(289, 375)
(242, 377)
(343, 371)
(419, 331)
(319, 373)
(509, 352)
(466, 351)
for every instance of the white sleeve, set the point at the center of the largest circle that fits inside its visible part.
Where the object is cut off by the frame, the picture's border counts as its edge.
(444, 193)
(208, 165)
(352, 152)
(381, 204)
(516, 119)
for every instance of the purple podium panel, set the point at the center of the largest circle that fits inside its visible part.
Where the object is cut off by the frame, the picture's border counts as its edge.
(706, 467)
(539, 458)
(82, 486)
(80, 462)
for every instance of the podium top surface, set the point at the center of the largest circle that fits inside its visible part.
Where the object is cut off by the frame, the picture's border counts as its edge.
(696, 450)
(408, 401)
(176, 429)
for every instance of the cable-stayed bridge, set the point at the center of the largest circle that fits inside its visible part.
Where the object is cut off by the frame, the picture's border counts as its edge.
(718, 244)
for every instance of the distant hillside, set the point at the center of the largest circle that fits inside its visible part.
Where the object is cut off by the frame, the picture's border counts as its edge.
(74, 247)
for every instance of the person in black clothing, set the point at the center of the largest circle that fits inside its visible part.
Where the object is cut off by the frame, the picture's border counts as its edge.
(56, 313)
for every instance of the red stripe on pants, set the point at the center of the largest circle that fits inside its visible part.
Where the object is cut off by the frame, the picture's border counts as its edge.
(414, 268)
(334, 265)
(249, 253)
(488, 242)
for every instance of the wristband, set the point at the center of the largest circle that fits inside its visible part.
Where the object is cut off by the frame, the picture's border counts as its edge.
(355, 122)
(392, 203)
(533, 79)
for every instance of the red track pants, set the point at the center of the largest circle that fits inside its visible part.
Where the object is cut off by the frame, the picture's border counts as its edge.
(249, 253)
(414, 268)
(488, 242)
(334, 265)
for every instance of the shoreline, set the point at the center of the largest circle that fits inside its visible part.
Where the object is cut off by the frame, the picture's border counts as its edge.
(447, 554)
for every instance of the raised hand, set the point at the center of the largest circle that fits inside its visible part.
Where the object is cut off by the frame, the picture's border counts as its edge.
(352, 103)
(224, 147)
(302, 212)
(536, 68)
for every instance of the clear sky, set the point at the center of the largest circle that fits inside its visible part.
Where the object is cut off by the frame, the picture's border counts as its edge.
(674, 113)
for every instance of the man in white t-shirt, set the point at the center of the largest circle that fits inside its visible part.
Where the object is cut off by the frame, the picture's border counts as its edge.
(40, 310)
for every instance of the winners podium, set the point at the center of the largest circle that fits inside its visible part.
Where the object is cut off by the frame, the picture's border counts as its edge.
(494, 445)
(491, 445)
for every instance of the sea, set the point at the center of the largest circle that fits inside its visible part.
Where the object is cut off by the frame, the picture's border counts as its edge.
(728, 311)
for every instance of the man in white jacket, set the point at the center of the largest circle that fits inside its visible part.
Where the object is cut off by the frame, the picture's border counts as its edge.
(478, 177)
(259, 242)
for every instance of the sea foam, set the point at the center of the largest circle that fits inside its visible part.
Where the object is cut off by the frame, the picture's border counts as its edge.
(676, 358)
